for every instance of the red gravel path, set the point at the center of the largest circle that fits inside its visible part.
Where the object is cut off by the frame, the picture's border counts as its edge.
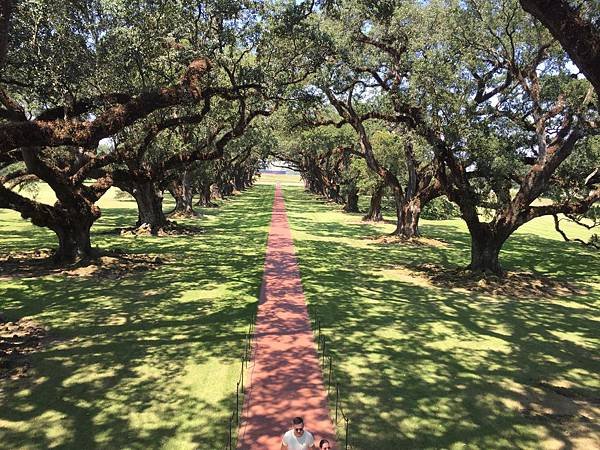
(285, 380)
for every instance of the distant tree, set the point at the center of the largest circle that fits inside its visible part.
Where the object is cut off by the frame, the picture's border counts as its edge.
(365, 78)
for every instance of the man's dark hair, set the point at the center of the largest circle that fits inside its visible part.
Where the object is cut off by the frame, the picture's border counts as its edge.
(297, 420)
(323, 442)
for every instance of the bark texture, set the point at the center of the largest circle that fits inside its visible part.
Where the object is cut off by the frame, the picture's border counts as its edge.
(374, 213)
(149, 199)
(182, 191)
(351, 204)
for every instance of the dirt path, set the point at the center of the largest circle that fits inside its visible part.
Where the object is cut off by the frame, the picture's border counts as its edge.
(285, 380)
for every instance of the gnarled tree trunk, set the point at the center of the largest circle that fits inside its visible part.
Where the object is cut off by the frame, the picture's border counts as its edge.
(182, 191)
(239, 181)
(374, 213)
(352, 200)
(408, 220)
(227, 189)
(206, 196)
(486, 243)
(149, 200)
(73, 239)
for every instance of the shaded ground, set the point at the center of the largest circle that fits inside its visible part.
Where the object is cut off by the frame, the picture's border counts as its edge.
(108, 265)
(514, 284)
(427, 363)
(418, 241)
(18, 340)
(172, 228)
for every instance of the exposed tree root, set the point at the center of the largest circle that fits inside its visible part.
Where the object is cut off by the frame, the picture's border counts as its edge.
(393, 238)
(17, 341)
(172, 228)
(108, 264)
(515, 284)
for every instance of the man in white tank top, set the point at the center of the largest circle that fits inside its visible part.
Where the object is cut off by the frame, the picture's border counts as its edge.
(298, 438)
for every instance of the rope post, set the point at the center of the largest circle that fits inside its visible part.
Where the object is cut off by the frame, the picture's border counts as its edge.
(245, 359)
(237, 403)
(329, 381)
(319, 326)
(337, 399)
(318, 334)
(347, 422)
(242, 377)
(229, 442)
(228, 445)
(323, 360)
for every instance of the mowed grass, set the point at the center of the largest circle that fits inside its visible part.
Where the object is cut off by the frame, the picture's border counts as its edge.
(284, 179)
(423, 366)
(147, 361)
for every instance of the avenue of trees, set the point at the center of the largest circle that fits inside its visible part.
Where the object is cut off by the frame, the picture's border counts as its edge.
(483, 109)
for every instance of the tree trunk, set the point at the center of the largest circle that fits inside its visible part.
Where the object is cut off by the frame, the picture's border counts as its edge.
(72, 226)
(374, 213)
(487, 240)
(411, 213)
(149, 200)
(239, 181)
(205, 199)
(333, 193)
(182, 192)
(352, 201)
(73, 241)
(227, 189)
(249, 179)
(398, 203)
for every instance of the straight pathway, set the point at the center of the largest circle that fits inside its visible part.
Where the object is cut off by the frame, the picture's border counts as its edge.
(285, 379)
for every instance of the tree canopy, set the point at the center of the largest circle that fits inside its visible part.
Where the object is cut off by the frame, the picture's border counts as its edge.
(477, 102)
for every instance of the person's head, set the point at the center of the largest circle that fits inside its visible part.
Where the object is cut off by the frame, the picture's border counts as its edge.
(324, 445)
(298, 426)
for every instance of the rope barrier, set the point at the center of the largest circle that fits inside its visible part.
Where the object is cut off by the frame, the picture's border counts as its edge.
(322, 348)
(239, 388)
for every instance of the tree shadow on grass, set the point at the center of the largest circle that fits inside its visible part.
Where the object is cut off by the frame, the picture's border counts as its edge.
(146, 361)
(426, 367)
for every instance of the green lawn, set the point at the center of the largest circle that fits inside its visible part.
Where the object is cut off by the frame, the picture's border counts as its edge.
(427, 366)
(147, 361)
(151, 360)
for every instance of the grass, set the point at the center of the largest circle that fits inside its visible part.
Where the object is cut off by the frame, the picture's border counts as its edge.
(283, 179)
(147, 361)
(151, 360)
(427, 367)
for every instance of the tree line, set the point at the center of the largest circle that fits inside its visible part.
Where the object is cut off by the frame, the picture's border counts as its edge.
(489, 107)
(475, 102)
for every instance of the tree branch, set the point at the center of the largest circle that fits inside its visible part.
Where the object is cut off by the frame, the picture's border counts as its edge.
(87, 133)
(579, 37)
(566, 238)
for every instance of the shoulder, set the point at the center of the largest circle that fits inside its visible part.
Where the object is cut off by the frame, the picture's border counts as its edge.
(287, 436)
(309, 437)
